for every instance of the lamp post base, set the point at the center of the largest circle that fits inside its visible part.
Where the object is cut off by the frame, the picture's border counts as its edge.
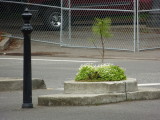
(27, 105)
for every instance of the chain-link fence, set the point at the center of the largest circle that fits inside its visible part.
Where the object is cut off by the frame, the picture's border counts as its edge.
(11, 20)
(83, 15)
(134, 23)
(148, 36)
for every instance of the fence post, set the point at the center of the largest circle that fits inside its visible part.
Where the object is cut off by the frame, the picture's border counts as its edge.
(61, 30)
(69, 22)
(27, 77)
(136, 26)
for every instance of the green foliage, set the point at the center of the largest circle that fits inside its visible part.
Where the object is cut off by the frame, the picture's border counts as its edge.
(111, 73)
(85, 72)
(101, 27)
(105, 72)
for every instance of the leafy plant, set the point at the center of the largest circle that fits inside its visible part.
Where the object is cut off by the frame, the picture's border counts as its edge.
(105, 72)
(85, 72)
(101, 27)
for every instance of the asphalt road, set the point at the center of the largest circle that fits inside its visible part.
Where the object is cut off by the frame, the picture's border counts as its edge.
(57, 70)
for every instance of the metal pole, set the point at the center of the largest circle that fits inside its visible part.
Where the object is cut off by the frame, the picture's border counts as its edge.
(136, 25)
(27, 79)
(138, 42)
(61, 32)
(69, 22)
(135, 19)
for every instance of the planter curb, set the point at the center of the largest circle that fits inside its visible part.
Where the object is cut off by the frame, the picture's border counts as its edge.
(73, 87)
(97, 99)
(11, 84)
(80, 98)
(5, 42)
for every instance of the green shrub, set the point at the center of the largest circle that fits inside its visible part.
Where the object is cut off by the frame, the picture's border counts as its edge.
(85, 72)
(103, 72)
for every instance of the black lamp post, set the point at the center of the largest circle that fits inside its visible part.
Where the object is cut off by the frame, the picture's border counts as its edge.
(27, 77)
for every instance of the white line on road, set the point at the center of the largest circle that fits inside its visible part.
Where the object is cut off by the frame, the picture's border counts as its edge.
(11, 59)
(149, 84)
(49, 60)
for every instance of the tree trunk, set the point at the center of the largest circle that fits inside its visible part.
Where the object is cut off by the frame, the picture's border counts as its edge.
(102, 41)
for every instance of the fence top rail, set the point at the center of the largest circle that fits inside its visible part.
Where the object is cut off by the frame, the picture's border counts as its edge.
(34, 4)
(66, 8)
(86, 9)
(151, 10)
(89, 9)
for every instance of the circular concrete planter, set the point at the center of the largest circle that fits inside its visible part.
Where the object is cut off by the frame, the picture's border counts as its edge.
(96, 93)
(73, 87)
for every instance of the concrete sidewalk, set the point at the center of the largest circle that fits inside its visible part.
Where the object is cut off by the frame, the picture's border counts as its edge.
(45, 49)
